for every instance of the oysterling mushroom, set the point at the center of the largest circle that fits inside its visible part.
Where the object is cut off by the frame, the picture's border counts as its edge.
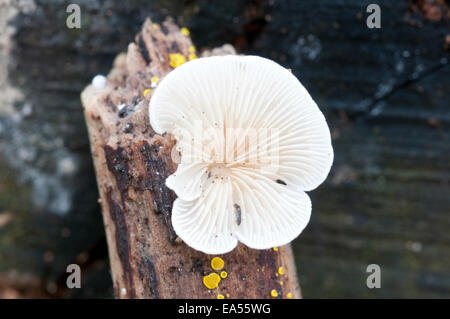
(251, 140)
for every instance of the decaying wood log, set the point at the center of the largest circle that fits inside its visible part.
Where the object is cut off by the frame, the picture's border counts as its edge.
(132, 163)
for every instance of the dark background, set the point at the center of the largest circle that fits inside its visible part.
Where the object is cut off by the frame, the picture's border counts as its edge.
(384, 92)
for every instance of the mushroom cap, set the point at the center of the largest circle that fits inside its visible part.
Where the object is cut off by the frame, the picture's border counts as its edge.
(252, 141)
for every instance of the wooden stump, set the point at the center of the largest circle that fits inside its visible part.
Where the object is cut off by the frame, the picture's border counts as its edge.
(132, 163)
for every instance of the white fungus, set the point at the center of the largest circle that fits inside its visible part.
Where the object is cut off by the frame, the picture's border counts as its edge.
(99, 81)
(251, 140)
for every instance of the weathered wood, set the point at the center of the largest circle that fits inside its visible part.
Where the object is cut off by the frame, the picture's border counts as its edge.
(132, 163)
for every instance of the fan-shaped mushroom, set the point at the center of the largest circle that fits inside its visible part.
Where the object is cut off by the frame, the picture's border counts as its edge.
(252, 141)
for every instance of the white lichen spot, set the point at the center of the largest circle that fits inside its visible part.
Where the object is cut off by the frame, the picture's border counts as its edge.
(27, 110)
(306, 48)
(67, 166)
(400, 66)
(418, 71)
(99, 81)
(384, 88)
(414, 246)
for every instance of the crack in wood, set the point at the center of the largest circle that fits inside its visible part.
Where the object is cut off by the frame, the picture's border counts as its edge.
(122, 241)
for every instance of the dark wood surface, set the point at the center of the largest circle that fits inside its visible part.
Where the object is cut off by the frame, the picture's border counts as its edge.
(384, 92)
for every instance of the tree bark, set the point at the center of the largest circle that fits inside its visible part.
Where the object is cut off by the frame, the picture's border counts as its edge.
(132, 162)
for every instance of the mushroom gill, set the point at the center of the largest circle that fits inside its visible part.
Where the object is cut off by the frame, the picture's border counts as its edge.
(252, 141)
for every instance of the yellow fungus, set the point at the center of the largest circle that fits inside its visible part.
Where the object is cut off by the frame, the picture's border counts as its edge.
(176, 59)
(192, 56)
(281, 271)
(274, 293)
(217, 263)
(185, 31)
(275, 248)
(289, 295)
(154, 82)
(211, 281)
(224, 274)
(146, 92)
(192, 49)
(220, 296)
(281, 283)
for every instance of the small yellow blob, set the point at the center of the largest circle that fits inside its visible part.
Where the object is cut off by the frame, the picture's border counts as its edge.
(192, 56)
(176, 59)
(146, 92)
(281, 283)
(220, 296)
(185, 31)
(192, 49)
(274, 293)
(211, 281)
(228, 295)
(275, 248)
(217, 263)
(154, 82)
(281, 271)
(224, 274)
(289, 295)
(155, 26)
(276, 275)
